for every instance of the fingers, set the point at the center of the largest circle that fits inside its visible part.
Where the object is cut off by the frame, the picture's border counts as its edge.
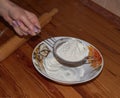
(31, 21)
(23, 27)
(33, 18)
(26, 26)
(25, 22)
(18, 29)
(19, 32)
(29, 26)
(15, 25)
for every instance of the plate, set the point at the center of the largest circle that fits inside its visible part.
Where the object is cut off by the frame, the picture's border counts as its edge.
(47, 65)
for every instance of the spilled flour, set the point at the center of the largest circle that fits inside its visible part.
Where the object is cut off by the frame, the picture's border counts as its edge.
(57, 71)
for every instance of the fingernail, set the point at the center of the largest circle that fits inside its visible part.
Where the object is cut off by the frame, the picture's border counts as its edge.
(14, 23)
(36, 29)
(18, 22)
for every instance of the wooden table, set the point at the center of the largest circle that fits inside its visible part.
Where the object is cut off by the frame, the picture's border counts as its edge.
(18, 77)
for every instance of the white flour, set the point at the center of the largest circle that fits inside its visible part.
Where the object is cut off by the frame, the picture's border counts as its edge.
(57, 71)
(72, 50)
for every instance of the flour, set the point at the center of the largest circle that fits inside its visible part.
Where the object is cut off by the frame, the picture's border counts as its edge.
(57, 71)
(72, 50)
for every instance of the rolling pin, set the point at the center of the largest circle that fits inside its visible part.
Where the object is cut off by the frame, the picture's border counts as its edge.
(15, 42)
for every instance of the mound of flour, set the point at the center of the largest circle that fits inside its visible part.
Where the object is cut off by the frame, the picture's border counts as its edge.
(72, 50)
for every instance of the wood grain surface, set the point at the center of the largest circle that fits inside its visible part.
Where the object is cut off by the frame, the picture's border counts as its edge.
(18, 77)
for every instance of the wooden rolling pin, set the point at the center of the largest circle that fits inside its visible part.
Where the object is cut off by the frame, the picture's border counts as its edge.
(15, 42)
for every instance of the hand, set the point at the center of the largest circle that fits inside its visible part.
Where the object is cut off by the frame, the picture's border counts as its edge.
(23, 21)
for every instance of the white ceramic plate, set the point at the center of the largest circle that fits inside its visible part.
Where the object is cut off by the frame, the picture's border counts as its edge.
(63, 74)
